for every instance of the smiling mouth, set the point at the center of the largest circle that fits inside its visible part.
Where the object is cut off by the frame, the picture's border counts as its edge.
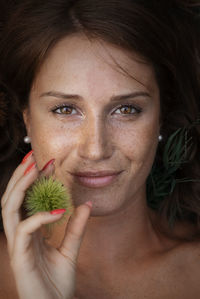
(96, 181)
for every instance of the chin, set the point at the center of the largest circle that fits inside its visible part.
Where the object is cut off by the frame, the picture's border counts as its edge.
(100, 208)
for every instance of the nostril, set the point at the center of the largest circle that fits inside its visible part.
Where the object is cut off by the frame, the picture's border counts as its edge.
(95, 143)
(92, 150)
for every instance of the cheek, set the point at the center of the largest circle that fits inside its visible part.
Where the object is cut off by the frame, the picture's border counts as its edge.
(50, 141)
(139, 145)
(138, 141)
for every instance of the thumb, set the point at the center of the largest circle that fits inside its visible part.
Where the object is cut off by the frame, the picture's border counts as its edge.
(74, 232)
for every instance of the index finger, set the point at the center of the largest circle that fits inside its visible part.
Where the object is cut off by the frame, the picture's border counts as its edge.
(17, 174)
(11, 212)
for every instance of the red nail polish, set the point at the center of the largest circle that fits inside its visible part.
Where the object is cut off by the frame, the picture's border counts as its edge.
(29, 168)
(26, 157)
(58, 211)
(48, 163)
(89, 203)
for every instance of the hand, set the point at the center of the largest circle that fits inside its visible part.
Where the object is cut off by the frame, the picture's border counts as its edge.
(40, 270)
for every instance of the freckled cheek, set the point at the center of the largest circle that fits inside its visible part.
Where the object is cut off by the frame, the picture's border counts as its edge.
(51, 143)
(138, 143)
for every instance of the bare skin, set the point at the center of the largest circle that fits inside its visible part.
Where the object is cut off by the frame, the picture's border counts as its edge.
(121, 255)
(7, 286)
(172, 273)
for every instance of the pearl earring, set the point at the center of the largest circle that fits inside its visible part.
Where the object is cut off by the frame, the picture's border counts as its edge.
(160, 138)
(27, 139)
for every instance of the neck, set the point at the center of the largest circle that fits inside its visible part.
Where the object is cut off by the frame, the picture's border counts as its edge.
(123, 236)
(126, 235)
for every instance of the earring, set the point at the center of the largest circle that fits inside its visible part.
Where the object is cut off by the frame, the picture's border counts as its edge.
(27, 139)
(160, 138)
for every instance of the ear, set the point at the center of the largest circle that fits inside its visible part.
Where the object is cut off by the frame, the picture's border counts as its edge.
(26, 118)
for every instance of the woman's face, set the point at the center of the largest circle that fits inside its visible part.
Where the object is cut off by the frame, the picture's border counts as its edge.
(91, 116)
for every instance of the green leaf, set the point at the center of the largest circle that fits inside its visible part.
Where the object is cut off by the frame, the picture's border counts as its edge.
(163, 177)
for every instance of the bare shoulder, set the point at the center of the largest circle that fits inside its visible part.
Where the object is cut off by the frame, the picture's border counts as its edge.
(184, 261)
(183, 257)
(190, 254)
(7, 285)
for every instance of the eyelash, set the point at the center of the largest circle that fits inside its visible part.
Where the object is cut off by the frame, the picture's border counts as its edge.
(137, 109)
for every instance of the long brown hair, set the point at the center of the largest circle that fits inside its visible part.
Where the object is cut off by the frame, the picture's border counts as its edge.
(165, 33)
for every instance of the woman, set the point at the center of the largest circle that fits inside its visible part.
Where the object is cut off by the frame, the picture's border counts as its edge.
(101, 87)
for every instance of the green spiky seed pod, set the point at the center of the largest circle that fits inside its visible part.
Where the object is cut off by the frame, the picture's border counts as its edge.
(47, 194)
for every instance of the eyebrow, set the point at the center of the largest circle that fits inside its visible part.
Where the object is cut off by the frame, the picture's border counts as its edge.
(61, 95)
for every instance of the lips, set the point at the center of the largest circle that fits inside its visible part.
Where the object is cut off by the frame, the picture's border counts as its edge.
(96, 173)
(96, 179)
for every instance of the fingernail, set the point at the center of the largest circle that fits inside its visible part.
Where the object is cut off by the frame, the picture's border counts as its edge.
(48, 163)
(26, 157)
(29, 168)
(58, 211)
(89, 203)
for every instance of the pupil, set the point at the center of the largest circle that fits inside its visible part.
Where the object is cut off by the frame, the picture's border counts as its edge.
(126, 109)
(66, 110)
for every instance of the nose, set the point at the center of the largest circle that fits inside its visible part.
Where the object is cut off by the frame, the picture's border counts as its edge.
(95, 141)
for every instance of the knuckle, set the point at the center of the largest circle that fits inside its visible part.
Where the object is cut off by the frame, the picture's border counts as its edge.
(4, 211)
(2, 201)
(40, 217)
(20, 228)
(73, 235)
(69, 256)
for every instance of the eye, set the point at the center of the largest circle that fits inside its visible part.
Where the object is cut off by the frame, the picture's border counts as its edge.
(64, 109)
(128, 110)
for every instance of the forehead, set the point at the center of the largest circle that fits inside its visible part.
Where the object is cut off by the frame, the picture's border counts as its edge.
(76, 59)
